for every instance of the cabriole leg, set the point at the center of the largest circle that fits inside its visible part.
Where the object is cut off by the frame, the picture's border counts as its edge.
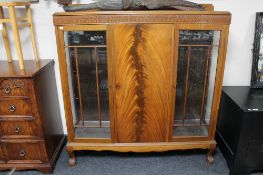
(72, 157)
(210, 153)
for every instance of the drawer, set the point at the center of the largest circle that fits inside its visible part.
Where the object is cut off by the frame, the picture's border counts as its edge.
(14, 87)
(25, 151)
(15, 106)
(19, 128)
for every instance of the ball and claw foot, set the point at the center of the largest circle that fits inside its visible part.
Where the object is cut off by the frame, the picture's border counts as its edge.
(210, 159)
(210, 153)
(72, 161)
(72, 158)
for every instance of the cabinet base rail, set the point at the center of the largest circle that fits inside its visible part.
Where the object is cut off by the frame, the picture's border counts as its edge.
(45, 168)
(141, 147)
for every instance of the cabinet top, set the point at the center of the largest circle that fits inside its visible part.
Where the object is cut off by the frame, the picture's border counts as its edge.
(140, 12)
(11, 70)
(249, 100)
(151, 16)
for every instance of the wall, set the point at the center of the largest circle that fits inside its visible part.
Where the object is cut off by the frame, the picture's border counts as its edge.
(239, 55)
(241, 37)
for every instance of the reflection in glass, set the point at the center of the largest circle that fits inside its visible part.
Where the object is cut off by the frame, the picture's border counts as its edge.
(87, 58)
(81, 38)
(196, 70)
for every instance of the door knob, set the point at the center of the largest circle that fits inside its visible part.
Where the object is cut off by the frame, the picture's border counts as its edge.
(117, 86)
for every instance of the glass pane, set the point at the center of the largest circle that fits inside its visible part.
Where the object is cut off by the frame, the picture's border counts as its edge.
(87, 64)
(198, 51)
(81, 38)
(103, 85)
(181, 70)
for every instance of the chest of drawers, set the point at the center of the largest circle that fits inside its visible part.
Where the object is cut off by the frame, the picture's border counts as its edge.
(31, 133)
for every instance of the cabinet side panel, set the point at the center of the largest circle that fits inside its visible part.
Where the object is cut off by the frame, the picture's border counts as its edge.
(48, 105)
(143, 56)
(229, 122)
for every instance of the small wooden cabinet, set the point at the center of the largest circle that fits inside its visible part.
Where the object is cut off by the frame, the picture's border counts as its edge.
(141, 80)
(31, 133)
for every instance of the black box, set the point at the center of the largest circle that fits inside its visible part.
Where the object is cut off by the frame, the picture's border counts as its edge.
(240, 129)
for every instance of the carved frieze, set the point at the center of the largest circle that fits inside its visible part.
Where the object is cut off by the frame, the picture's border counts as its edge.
(141, 18)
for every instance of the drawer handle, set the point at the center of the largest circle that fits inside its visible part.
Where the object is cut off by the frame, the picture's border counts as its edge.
(22, 153)
(18, 129)
(7, 90)
(19, 84)
(12, 108)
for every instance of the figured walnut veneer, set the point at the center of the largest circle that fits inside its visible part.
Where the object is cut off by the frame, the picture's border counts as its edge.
(140, 96)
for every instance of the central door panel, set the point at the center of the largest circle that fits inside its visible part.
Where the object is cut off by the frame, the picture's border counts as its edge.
(143, 74)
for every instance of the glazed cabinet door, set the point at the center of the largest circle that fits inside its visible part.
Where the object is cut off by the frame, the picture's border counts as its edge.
(86, 64)
(198, 79)
(143, 59)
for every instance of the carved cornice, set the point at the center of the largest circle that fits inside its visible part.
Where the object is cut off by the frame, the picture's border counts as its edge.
(143, 18)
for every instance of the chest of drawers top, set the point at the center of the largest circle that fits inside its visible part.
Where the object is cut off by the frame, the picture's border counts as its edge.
(11, 70)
